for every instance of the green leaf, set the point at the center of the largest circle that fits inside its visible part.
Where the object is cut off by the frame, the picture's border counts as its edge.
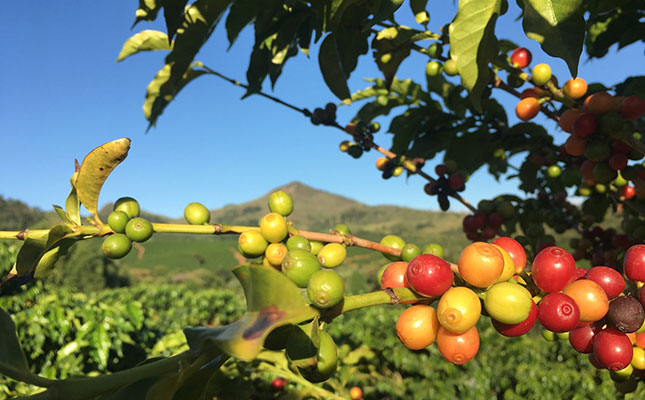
(242, 13)
(72, 203)
(144, 41)
(385, 10)
(62, 214)
(272, 300)
(559, 27)
(10, 350)
(419, 11)
(147, 11)
(473, 44)
(392, 46)
(37, 256)
(332, 69)
(200, 19)
(621, 26)
(173, 12)
(163, 89)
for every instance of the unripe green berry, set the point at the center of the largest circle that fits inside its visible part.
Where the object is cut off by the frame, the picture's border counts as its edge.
(315, 246)
(342, 229)
(392, 241)
(117, 221)
(332, 255)
(138, 229)
(281, 202)
(410, 251)
(197, 214)
(299, 265)
(116, 246)
(128, 205)
(325, 288)
(434, 249)
(273, 227)
(298, 242)
(252, 244)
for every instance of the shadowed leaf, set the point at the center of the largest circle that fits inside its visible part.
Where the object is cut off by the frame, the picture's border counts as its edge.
(332, 68)
(10, 350)
(559, 27)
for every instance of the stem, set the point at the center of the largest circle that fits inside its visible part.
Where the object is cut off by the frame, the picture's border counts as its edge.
(389, 296)
(215, 229)
(25, 376)
(349, 240)
(84, 388)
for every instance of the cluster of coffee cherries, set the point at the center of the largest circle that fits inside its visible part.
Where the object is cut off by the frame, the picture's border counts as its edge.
(324, 116)
(310, 265)
(450, 180)
(489, 217)
(127, 226)
(395, 166)
(594, 307)
(363, 135)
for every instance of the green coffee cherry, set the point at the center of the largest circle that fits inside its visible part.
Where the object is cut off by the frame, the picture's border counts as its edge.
(298, 242)
(197, 214)
(450, 67)
(273, 227)
(315, 246)
(275, 253)
(342, 229)
(116, 246)
(252, 244)
(299, 265)
(410, 251)
(380, 273)
(332, 255)
(117, 221)
(392, 241)
(138, 229)
(434, 249)
(281, 202)
(325, 288)
(128, 205)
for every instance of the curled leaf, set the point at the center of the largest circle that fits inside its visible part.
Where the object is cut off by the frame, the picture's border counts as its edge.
(144, 41)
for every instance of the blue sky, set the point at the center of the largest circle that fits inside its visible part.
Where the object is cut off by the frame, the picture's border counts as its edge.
(62, 94)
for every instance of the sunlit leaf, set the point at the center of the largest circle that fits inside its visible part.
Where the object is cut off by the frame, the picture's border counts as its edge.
(144, 41)
(473, 44)
(95, 169)
(419, 11)
(272, 300)
(559, 27)
(62, 214)
(72, 203)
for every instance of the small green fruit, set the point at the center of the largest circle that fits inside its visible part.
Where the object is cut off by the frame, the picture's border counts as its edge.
(138, 229)
(298, 242)
(252, 244)
(117, 221)
(315, 246)
(548, 335)
(299, 265)
(433, 68)
(116, 246)
(281, 202)
(434, 249)
(392, 241)
(128, 205)
(554, 171)
(197, 214)
(410, 251)
(342, 229)
(325, 288)
(332, 255)
(507, 302)
(450, 67)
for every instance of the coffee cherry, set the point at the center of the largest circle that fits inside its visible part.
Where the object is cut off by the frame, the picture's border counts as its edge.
(519, 329)
(554, 171)
(332, 255)
(575, 146)
(344, 145)
(433, 68)
(549, 336)
(429, 275)
(435, 50)
(480, 264)
(527, 108)
(394, 276)
(568, 118)
(558, 312)
(299, 265)
(585, 125)
(459, 309)
(128, 205)
(342, 229)
(410, 251)
(116, 246)
(450, 67)
(434, 249)
(197, 214)
(507, 302)
(395, 242)
(117, 221)
(138, 229)
(628, 192)
(613, 349)
(458, 348)
(298, 242)
(541, 74)
(634, 264)
(581, 337)
(638, 359)
(417, 327)
(281, 202)
(275, 253)
(252, 244)
(610, 280)
(575, 88)
(315, 246)
(325, 288)
(273, 227)
(355, 393)
(515, 250)
(590, 298)
(521, 57)
(599, 103)
(553, 269)
(626, 314)
(278, 384)
(509, 265)
(632, 108)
